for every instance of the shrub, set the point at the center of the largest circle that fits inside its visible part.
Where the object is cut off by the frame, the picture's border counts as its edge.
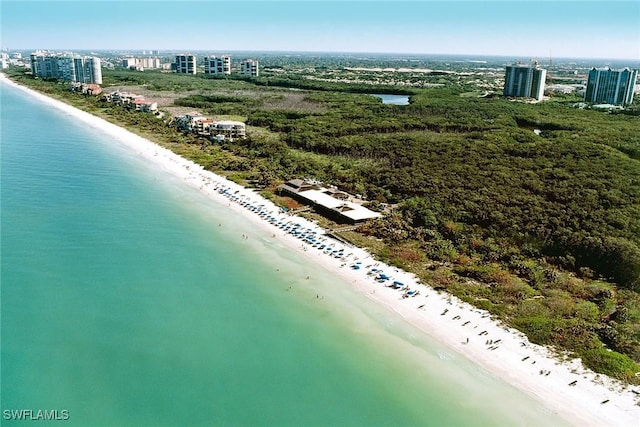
(611, 363)
(540, 330)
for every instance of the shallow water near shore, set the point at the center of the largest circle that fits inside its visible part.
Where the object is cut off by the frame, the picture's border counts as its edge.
(129, 298)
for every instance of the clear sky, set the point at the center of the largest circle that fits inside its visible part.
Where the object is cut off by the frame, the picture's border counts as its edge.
(582, 29)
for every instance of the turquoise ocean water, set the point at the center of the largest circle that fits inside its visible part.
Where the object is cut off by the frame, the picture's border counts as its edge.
(128, 298)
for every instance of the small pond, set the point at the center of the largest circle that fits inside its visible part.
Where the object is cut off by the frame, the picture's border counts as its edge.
(392, 99)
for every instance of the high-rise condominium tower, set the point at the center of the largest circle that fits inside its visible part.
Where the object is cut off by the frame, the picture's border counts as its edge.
(214, 65)
(249, 67)
(607, 86)
(524, 81)
(186, 64)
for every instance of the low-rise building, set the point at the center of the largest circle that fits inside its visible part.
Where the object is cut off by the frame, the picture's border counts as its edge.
(141, 104)
(132, 101)
(227, 129)
(563, 88)
(86, 88)
(192, 122)
(121, 98)
(204, 126)
(334, 203)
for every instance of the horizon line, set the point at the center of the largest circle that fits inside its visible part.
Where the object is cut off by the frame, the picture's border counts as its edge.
(494, 55)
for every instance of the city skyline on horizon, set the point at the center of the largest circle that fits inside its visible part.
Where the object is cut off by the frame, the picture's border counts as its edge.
(515, 59)
(520, 29)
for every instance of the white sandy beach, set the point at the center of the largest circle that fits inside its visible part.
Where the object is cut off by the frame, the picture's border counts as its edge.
(565, 387)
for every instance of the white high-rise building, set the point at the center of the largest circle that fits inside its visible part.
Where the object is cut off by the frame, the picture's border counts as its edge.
(149, 63)
(186, 64)
(82, 69)
(87, 70)
(130, 62)
(524, 81)
(141, 64)
(249, 67)
(214, 65)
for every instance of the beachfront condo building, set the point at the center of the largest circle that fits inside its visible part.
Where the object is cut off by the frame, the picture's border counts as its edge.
(227, 129)
(185, 64)
(85, 69)
(72, 68)
(249, 67)
(214, 65)
(524, 81)
(607, 86)
(44, 65)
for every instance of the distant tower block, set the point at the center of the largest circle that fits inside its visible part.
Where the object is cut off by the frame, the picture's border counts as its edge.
(524, 81)
(607, 86)
(249, 67)
(185, 64)
(213, 65)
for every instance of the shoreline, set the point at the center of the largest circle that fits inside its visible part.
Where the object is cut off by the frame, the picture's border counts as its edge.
(566, 388)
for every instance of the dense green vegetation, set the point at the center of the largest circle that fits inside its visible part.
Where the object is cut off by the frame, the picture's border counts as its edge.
(541, 230)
